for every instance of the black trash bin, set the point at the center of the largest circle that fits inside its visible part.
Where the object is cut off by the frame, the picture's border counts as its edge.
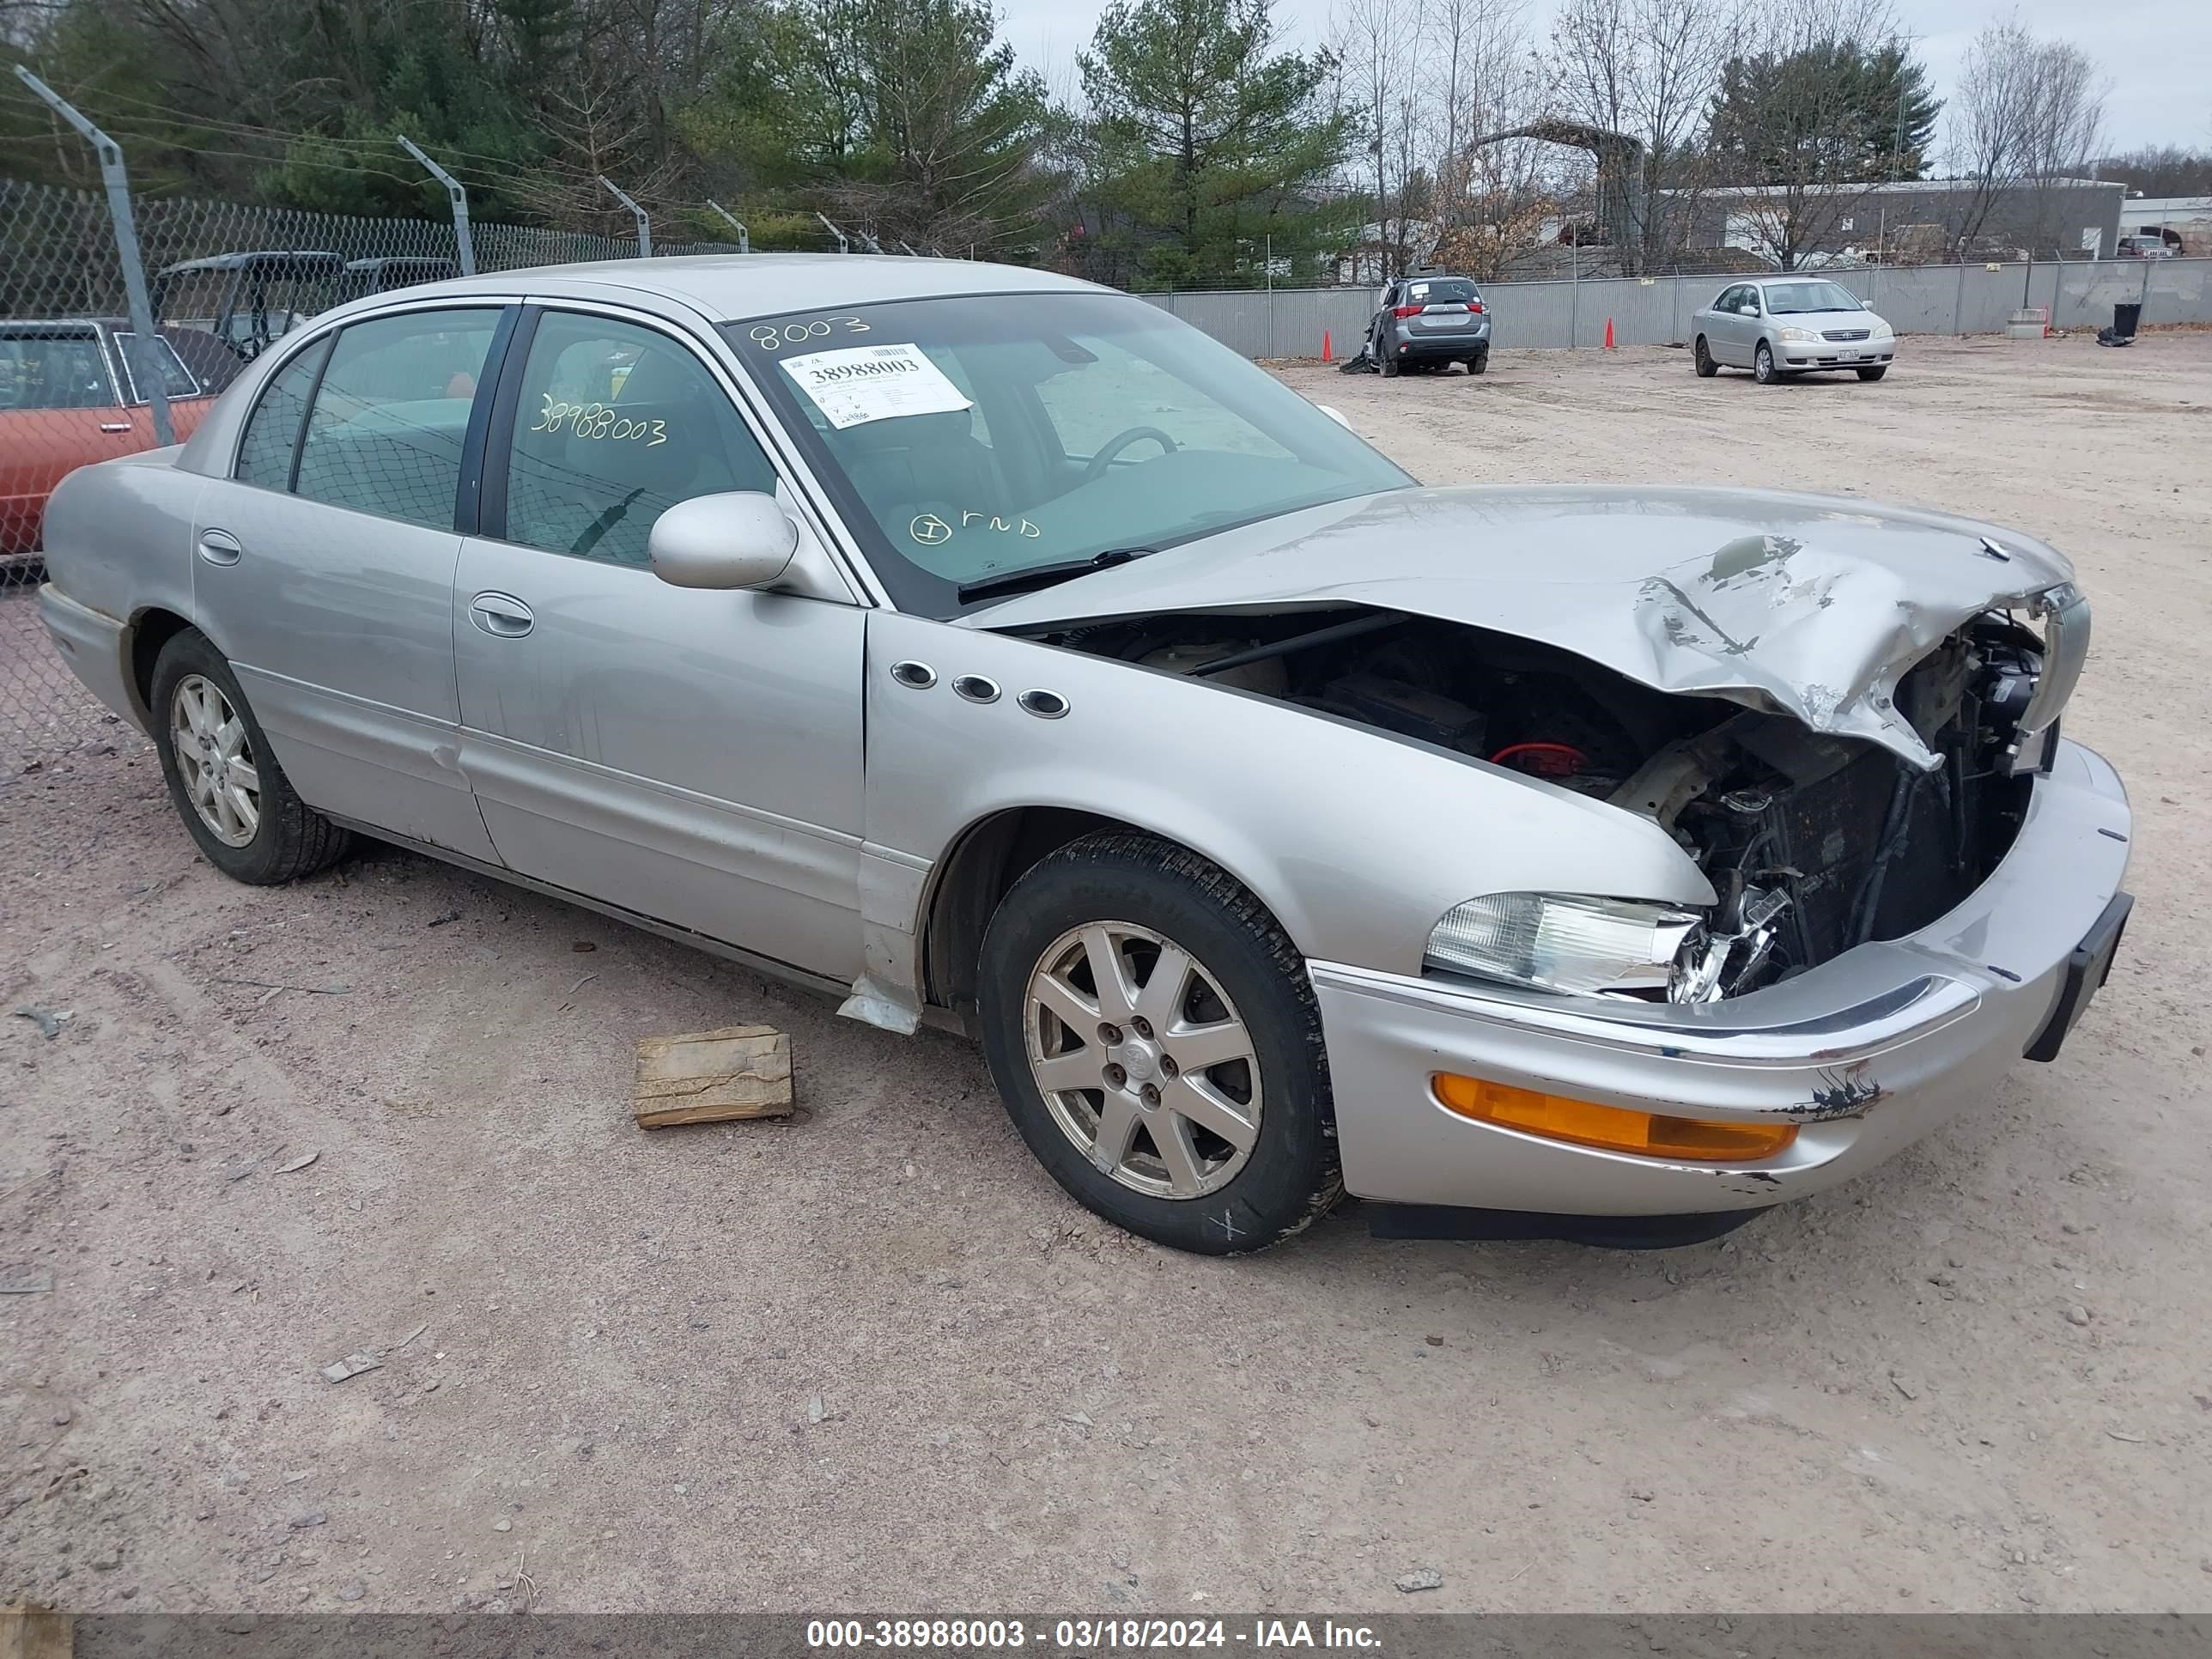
(2126, 317)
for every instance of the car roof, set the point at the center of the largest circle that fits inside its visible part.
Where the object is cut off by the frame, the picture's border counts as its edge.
(732, 285)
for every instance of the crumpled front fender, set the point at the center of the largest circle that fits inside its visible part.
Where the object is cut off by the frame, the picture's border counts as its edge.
(1358, 840)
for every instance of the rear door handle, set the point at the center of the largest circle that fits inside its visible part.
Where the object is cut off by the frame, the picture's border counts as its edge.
(115, 426)
(502, 615)
(220, 547)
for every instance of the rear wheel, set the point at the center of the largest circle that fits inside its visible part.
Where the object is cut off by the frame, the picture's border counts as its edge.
(1155, 1037)
(226, 784)
(1762, 366)
(1480, 363)
(1389, 364)
(1706, 366)
(1875, 373)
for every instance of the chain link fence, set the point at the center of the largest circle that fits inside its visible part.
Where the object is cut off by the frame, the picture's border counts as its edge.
(222, 280)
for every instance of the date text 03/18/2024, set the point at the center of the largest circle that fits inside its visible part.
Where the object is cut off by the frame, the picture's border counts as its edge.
(1106, 1635)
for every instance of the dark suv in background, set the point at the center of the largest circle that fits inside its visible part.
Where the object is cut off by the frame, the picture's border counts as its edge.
(1427, 322)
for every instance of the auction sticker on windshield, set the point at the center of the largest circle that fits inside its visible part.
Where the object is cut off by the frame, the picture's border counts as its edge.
(861, 384)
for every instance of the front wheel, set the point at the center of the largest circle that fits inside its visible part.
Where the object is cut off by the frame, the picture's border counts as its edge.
(1762, 366)
(225, 783)
(1875, 373)
(1706, 366)
(1155, 1037)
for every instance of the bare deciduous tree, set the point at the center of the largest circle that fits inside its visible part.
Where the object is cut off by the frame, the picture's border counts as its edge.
(2027, 113)
(1645, 69)
(1380, 43)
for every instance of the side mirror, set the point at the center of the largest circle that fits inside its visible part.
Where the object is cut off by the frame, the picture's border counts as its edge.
(740, 538)
(1336, 415)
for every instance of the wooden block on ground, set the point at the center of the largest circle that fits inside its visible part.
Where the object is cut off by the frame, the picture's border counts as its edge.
(29, 1632)
(705, 1077)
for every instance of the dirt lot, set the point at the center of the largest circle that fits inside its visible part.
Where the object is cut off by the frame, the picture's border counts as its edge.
(1979, 1379)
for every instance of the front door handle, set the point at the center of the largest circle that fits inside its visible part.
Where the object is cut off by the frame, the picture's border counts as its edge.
(502, 615)
(115, 426)
(220, 547)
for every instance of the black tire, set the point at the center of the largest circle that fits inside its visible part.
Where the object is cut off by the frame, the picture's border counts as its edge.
(1706, 366)
(1479, 364)
(1762, 365)
(1875, 373)
(1290, 1176)
(1388, 363)
(291, 839)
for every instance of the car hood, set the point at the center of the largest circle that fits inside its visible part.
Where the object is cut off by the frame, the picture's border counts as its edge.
(1809, 605)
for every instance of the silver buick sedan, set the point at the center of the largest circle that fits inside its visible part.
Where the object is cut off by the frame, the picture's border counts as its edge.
(995, 652)
(1779, 326)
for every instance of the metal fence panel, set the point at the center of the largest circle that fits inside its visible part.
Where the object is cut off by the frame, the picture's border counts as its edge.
(1556, 315)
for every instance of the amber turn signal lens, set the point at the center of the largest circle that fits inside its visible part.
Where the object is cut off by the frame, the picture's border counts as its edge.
(1588, 1124)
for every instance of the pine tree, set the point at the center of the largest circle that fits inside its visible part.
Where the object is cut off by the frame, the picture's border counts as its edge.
(1208, 142)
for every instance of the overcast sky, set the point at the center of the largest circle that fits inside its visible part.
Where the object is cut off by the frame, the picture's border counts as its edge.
(2158, 52)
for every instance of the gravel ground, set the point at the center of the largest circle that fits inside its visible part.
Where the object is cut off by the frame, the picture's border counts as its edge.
(872, 1358)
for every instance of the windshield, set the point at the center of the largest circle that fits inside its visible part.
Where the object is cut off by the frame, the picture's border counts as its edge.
(1784, 299)
(973, 437)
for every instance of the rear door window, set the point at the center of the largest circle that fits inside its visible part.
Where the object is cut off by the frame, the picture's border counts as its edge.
(392, 413)
(272, 431)
(177, 380)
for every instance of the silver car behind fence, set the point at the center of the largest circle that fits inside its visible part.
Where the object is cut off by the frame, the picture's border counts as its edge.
(994, 650)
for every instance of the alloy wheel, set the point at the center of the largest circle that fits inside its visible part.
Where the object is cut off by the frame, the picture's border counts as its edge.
(1143, 1060)
(215, 760)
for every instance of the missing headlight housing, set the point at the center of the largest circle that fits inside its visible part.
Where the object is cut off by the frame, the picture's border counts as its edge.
(1570, 942)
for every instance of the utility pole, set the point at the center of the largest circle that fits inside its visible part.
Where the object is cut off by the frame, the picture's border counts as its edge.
(145, 356)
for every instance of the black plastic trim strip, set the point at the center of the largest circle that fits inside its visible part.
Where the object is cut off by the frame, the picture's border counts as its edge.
(499, 433)
(468, 492)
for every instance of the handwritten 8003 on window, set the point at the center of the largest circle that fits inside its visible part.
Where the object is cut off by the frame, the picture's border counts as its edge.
(601, 421)
(768, 337)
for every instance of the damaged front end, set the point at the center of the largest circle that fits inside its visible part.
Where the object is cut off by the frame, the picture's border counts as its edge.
(1813, 840)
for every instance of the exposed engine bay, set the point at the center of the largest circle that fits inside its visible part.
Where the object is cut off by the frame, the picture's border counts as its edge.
(1814, 843)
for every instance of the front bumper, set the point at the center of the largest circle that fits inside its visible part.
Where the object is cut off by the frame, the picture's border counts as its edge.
(1838, 353)
(1867, 1053)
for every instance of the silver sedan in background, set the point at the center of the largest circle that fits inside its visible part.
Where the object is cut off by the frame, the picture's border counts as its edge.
(1779, 326)
(994, 651)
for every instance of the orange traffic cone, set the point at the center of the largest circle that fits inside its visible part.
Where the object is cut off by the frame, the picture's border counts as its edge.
(1608, 334)
(1326, 356)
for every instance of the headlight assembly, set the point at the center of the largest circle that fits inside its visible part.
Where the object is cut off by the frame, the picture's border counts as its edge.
(1567, 942)
(1799, 335)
